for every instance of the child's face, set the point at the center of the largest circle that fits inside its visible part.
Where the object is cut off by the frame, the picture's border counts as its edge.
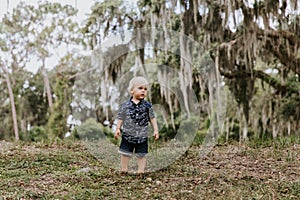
(139, 91)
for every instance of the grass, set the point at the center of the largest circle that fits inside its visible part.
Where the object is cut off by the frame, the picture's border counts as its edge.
(67, 170)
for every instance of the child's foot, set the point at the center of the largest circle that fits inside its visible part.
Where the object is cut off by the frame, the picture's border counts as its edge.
(123, 173)
(140, 174)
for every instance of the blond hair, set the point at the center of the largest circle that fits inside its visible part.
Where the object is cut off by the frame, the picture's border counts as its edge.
(136, 82)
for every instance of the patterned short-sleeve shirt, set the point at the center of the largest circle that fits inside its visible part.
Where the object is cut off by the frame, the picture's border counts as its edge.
(135, 120)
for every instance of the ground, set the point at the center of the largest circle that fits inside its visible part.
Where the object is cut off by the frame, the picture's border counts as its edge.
(65, 170)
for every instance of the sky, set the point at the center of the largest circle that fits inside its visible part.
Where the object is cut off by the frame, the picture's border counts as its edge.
(83, 7)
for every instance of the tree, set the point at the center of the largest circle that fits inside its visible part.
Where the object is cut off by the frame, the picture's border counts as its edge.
(14, 56)
(36, 31)
(244, 39)
(52, 35)
(12, 100)
(57, 124)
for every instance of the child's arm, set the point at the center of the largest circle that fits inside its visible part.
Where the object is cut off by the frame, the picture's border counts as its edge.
(118, 129)
(155, 128)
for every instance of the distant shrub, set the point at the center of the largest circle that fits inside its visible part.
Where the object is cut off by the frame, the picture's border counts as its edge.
(92, 130)
(36, 134)
(291, 108)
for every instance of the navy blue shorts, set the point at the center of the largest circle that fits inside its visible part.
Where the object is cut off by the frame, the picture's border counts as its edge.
(127, 148)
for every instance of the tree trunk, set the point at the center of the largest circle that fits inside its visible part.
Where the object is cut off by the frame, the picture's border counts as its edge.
(245, 129)
(274, 131)
(12, 102)
(289, 127)
(244, 124)
(47, 86)
(227, 129)
(23, 125)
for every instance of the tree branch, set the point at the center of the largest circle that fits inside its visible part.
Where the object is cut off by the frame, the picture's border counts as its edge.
(282, 89)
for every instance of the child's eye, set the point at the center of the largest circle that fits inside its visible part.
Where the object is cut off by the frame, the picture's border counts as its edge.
(140, 88)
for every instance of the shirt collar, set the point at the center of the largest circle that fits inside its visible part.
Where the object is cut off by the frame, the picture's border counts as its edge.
(141, 101)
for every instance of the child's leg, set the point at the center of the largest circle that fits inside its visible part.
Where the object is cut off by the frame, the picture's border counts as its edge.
(124, 163)
(126, 150)
(141, 151)
(141, 164)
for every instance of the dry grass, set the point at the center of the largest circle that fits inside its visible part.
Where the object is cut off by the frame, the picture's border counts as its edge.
(68, 171)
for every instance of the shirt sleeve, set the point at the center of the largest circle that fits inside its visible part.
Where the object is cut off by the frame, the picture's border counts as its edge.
(151, 113)
(122, 112)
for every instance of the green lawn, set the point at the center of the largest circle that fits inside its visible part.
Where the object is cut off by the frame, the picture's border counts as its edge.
(65, 170)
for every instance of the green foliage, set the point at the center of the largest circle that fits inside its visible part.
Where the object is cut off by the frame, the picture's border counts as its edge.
(35, 104)
(291, 108)
(103, 18)
(57, 125)
(36, 134)
(278, 143)
(207, 123)
(189, 127)
(6, 126)
(24, 34)
(92, 130)
(176, 23)
(200, 137)
(167, 133)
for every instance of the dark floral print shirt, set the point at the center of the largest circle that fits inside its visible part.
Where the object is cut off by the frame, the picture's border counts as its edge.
(135, 120)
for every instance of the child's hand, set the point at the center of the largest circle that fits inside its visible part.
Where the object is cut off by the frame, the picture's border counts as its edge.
(117, 134)
(156, 135)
